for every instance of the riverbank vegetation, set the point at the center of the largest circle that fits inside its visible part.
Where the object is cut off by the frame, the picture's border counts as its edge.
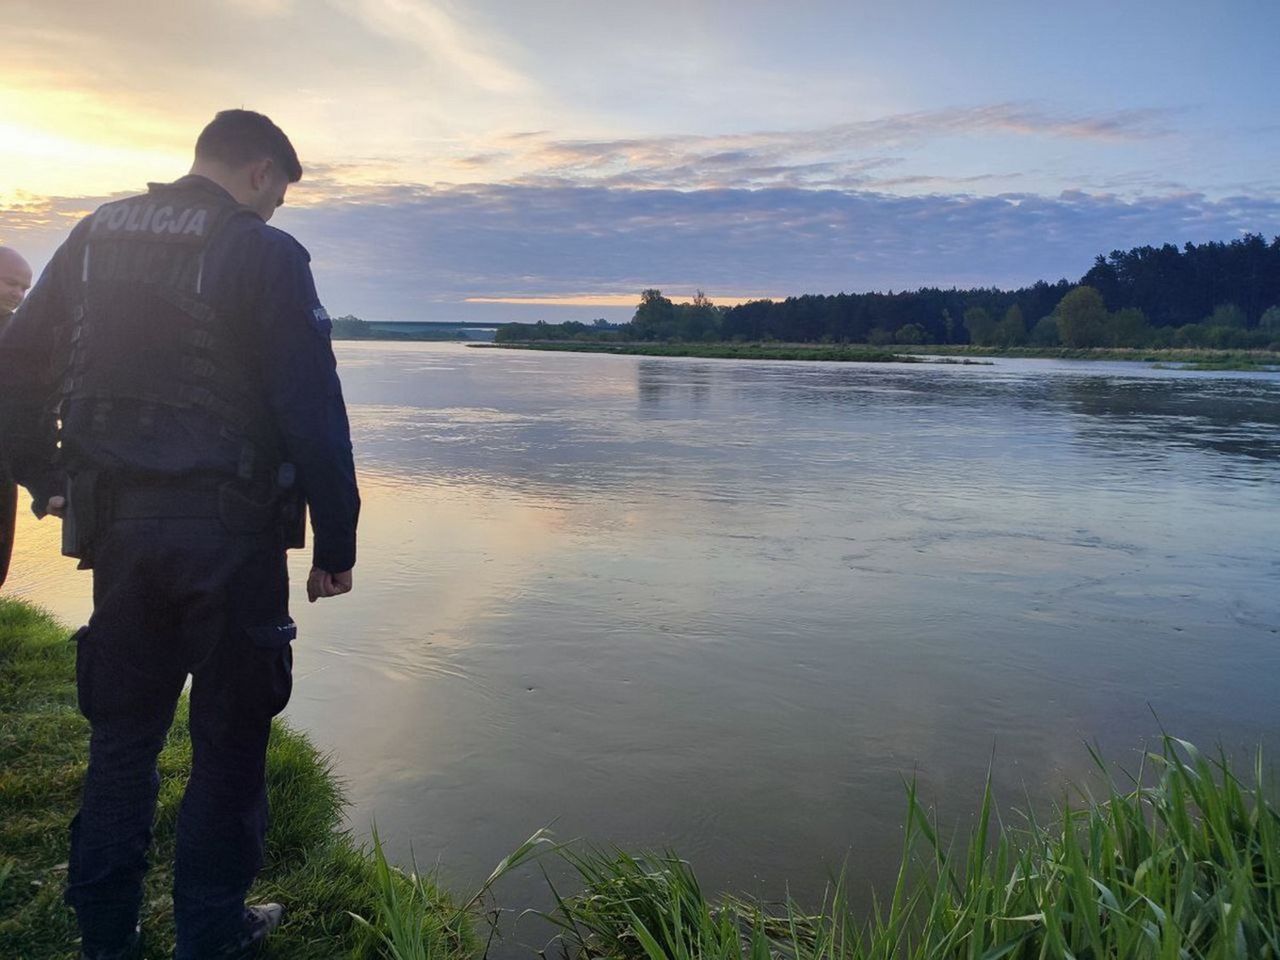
(1213, 296)
(1179, 860)
(1183, 862)
(921, 353)
(313, 866)
(353, 328)
(731, 351)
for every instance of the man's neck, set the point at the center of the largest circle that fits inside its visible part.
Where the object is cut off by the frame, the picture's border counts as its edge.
(216, 175)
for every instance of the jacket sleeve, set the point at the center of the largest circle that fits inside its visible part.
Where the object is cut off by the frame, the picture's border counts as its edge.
(301, 381)
(33, 353)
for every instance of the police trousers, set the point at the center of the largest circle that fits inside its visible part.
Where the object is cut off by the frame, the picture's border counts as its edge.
(177, 597)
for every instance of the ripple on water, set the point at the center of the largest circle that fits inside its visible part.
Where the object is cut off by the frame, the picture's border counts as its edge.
(725, 607)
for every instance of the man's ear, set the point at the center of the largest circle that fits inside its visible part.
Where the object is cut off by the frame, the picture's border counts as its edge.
(260, 173)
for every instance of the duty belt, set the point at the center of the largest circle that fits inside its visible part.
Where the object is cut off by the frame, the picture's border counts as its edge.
(170, 503)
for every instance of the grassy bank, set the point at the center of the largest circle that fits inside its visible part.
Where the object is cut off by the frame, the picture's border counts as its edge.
(720, 351)
(908, 353)
(312, 865)
(1209, 359)
(1184, 864)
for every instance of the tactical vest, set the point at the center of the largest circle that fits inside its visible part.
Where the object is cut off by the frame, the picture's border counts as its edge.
(145, 329)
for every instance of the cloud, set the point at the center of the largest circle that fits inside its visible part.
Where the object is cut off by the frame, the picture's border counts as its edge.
(407, 252)
(898, 153)
(840, 155)
(450, 44)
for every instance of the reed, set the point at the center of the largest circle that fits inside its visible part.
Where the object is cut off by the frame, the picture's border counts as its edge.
(1181, 862)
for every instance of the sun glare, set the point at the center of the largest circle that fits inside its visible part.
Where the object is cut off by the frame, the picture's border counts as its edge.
(47, 164)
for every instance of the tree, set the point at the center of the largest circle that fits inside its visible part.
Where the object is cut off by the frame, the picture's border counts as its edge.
(655, 317)
(980, 326)
(910, 333)
(1227, 315)
(350, 328)
(1171, 285)
(1129, 328)
(1045, 332)
(1011, 331)
(1270, 321)
(699, 320)
(1191, 335)
(1082, 318)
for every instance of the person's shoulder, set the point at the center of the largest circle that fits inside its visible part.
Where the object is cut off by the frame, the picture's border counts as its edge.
(79, 233)
(66, 258)
(256, 249)
(275, 244)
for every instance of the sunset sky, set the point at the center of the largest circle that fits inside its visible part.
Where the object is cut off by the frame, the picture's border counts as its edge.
(503, 160)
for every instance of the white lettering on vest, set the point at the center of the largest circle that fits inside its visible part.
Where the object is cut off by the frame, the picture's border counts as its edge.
(160, 222)
(181, 223)
(100, 217)
(118, 216)
(197, 223)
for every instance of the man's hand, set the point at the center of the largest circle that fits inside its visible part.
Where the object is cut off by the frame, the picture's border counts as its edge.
(57, 506)
(322, 583)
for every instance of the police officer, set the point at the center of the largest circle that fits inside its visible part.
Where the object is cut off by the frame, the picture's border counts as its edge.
(15, 280)
(171, 379)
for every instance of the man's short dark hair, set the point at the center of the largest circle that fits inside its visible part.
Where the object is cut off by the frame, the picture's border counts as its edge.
(237, 137)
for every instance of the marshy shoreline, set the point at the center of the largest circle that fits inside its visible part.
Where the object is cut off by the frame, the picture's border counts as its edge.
(1197, 359)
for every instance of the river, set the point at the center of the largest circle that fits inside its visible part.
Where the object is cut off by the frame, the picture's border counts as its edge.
(728, 606)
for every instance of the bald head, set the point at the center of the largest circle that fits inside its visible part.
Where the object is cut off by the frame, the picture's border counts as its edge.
(15, 280)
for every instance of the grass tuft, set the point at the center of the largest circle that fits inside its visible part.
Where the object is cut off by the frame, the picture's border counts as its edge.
(313, 866)
(1182, 864)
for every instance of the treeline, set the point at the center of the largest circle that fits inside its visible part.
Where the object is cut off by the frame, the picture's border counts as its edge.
(572, 330)
(1220, 295)
(353, 328)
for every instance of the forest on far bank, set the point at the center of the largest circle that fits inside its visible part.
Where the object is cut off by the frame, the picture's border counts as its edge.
(1210, 295)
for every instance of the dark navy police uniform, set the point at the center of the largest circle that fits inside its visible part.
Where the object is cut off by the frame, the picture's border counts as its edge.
(179, 341)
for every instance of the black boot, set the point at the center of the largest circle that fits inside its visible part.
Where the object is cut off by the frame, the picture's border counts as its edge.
(130, 951)
(259, 920)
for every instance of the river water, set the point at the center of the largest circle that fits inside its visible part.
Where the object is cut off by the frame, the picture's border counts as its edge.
(728, 606)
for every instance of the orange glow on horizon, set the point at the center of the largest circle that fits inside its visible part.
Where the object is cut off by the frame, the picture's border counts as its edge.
(59, 142)
(612, 299)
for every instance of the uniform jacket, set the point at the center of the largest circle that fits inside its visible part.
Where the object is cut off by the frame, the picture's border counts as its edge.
(258, 282)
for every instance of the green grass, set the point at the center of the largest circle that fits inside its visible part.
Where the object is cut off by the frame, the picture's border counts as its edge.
(313, 866)
(1180, 861)
(1184, 863)
(1211, 359)
(1245, 365)
(1197, 359)
(721, 351)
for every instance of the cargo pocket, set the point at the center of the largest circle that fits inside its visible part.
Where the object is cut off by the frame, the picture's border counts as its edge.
(84, 671)
(271, 643)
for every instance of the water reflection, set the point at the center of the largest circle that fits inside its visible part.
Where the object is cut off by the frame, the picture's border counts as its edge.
(1237, 418)
(725, 605)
